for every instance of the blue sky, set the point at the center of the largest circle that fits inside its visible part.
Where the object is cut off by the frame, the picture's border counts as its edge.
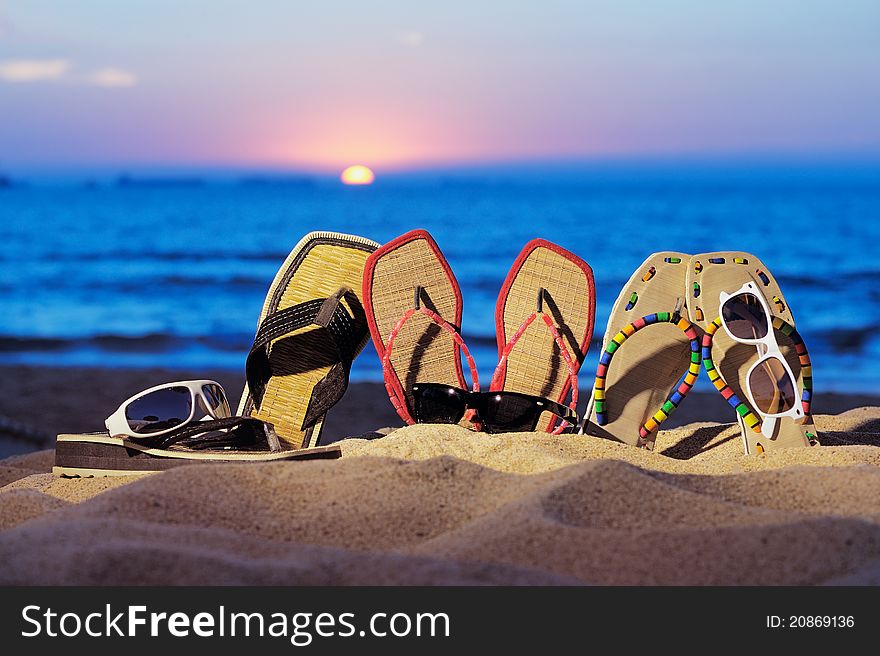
(400, 85)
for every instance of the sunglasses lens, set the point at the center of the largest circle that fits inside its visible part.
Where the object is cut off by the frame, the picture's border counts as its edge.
(508, 413)
(744, 317)
(772, 387)
(159, 410)
(438, 404)
(218, 406)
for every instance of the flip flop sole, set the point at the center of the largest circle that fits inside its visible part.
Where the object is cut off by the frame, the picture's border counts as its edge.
(708, 275)
(535, 364)
(98, 454)
(422, 351)
(651, 362)
(320, 264)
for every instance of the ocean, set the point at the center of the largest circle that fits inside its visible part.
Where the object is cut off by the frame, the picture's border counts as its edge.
(172, 273)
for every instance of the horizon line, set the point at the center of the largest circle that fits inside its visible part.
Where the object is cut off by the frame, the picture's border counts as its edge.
(576, 164)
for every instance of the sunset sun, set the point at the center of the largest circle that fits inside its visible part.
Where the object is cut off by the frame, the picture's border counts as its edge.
(357, 175)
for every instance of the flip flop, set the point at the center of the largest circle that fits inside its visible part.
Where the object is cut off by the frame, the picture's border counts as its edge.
(413, 306)
(727, 361)
(542, 358)
(643, 375)
(99, 454)
(311, 328)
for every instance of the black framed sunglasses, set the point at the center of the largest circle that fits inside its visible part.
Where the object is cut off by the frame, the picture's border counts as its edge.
(497, 412)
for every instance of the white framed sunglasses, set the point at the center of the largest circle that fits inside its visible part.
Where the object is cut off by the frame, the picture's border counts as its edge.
(164, 408)
(770, 383)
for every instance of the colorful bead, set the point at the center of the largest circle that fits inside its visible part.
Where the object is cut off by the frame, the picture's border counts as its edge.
(780, 306)
(740, 260)
(786, 329)
(716, 260)
(763, 276)
(696, 290)
(649, 274)
(698, 267)
(672, 260)
(633, 299)
(675, 397)
(749, 417)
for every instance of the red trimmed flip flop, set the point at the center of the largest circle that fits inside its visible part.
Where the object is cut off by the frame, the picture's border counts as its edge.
(543, 358)
(413, 306)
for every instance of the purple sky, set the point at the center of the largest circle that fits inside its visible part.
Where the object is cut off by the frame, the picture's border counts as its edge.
(320, 85)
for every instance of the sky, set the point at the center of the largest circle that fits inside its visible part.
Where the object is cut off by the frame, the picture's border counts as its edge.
(405, 85)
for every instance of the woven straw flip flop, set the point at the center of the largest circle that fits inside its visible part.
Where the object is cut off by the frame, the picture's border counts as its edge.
(727, 362)
(413, 306)
(542, 358)
(311, 328)
(643, 375)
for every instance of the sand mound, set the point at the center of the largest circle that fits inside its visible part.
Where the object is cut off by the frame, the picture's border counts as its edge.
(124, 552)
(431, 504)
(17, 506)
(16, 467)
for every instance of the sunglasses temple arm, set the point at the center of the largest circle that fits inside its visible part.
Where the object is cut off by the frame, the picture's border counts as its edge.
(768, 427)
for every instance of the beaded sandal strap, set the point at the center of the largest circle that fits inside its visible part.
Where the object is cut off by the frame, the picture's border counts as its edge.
(681, 389)
(743, 409)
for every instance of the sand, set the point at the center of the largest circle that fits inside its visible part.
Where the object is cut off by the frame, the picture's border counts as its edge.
(444, 505)
(36, 403)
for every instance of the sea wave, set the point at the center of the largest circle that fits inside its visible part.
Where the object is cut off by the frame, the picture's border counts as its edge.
(841, 340)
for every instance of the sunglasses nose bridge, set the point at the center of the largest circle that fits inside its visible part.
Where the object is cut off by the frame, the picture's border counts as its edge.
(472, 400)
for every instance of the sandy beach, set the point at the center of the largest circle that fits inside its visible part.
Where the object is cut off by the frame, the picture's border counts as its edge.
(444, 505)
(37, 403)
(82, 397)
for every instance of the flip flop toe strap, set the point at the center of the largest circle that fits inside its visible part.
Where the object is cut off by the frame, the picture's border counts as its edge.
(501, 368)
(749, 416)
(346, 332)
(675, 397)
(390, 375)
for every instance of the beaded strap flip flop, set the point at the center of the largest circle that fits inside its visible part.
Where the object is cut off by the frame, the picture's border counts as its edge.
(643, 375)
(311, 328)
(542, 358)
(729, 362)
(413, 306)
